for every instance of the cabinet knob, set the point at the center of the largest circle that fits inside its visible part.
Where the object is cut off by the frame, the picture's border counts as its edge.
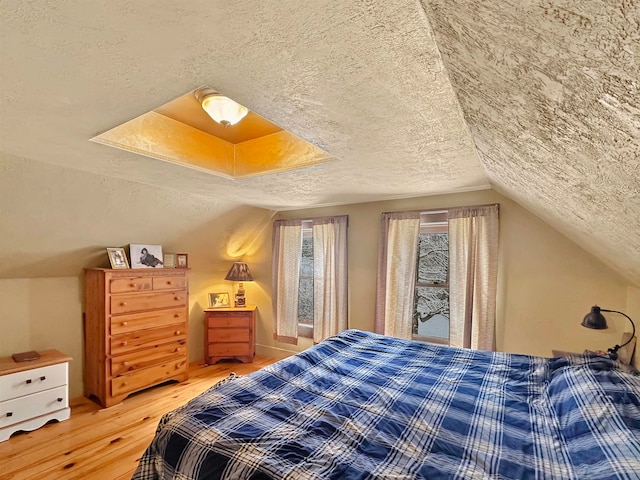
(9, 414)
(59, 399)
(43, 378)
(124, 324)
(28, 381)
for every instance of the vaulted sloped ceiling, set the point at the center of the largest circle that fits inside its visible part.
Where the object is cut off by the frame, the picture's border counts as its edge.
(410, 99)
(550, 91)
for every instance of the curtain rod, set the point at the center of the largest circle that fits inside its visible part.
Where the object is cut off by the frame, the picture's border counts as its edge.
(442, 210)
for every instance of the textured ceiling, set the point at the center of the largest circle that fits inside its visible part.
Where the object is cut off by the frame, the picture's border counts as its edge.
(537, 101)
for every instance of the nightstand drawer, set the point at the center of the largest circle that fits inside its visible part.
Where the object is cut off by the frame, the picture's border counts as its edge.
(224, 322)
(229, 349)
(34, 405)
(224, 335)
(32, 381)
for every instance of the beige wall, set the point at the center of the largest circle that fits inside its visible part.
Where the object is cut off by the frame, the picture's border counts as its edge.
(546, 283)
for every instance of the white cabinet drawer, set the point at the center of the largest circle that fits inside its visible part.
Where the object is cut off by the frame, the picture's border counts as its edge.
(32, 381)
(31, 406)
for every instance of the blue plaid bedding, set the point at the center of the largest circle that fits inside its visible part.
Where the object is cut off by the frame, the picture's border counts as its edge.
(366, 406)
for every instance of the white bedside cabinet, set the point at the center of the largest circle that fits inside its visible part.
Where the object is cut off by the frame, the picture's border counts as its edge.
(34, 392)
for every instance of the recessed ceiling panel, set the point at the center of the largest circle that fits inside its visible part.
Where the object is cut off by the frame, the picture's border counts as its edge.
(180, 131)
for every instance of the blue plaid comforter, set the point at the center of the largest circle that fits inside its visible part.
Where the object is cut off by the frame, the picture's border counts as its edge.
(366, 406)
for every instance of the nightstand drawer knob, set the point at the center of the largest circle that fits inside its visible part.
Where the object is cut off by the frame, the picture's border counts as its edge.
(59, 399)
(124, 344)
(133, 285)
(9, 414)
(176, 315)
(177, 332)
(43, 378)
(123, 304)
(176, 298)
(168, 282)
(28, 381)
(124, 324)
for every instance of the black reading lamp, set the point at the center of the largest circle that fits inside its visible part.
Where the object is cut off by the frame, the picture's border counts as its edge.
(596, 320)
(239, 272)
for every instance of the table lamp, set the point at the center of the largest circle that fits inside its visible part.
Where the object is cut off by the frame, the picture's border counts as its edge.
(239, 272)
(596, 320)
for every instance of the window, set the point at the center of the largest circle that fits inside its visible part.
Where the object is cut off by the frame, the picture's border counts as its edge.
(310, 278)
(305, 288)
(437, 272)
(431, 313)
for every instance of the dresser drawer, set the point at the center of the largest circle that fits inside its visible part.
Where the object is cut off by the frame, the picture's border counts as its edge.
(148, 338)
(31, 406)
(32, 381)
(237, 321)
(147, 301)
(169, 282)
(140, 321)
(229, 335)
(229, 349)
(130, 284)
(146, 358)
(147, 377)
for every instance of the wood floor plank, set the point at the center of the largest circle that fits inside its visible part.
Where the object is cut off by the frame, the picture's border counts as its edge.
(106, 443)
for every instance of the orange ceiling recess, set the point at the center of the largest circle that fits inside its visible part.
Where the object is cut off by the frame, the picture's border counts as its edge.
(181, 132)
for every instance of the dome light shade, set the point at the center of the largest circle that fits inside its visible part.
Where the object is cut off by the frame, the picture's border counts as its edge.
(222, 109)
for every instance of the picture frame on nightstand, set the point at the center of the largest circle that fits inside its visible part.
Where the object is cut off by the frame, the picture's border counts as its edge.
(182, 260)
(219, 300)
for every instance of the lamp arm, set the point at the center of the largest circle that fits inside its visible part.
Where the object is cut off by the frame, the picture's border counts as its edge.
(633, 325)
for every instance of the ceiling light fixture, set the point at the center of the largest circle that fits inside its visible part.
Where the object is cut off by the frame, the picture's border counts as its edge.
(222, 109)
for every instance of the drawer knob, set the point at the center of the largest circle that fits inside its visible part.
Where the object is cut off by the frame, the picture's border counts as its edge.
(176, 315)
(28, 381)
(124, 324)
(126, 364)
(133, 285)
(9, 414)
(59, 399)
(177, 349)
(177, 332)
(176, 298)
(124, 344)
(43, 378)
(169, 282)
(122, 304)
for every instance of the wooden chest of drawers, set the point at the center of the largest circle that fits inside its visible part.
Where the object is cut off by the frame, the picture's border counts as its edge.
(230, 333)
(34, 392)
(136, 325)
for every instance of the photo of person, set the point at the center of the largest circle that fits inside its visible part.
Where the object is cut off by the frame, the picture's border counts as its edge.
(117, 258)
(146, 256)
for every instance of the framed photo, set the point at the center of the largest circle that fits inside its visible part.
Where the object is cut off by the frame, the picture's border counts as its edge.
(146, 256)
(117, 257)
(219, 300)
(182, 260)
(169, 260)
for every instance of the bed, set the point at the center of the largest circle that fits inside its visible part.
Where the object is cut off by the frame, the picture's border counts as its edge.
(366, 406)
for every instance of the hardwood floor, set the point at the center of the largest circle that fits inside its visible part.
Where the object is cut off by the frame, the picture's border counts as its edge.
(106, 443)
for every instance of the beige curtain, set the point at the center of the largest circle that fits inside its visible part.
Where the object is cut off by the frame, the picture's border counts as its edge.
(473, 273)
(330, 308)
(397, 253)
(287, 251)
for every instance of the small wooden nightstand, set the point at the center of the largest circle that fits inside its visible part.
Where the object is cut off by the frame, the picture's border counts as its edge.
(33, 392)
(229, 333)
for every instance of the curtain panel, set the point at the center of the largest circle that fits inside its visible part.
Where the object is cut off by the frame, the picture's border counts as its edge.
(473, 273)
(286, 254)
(330, 278)
(397, 254)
